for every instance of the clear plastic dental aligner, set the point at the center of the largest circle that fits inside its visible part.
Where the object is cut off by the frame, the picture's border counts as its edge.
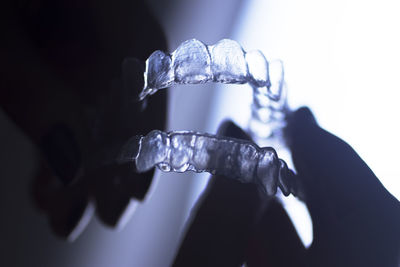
(200, 152)
(194, 62)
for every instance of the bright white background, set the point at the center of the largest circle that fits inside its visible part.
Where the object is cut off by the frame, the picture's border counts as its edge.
(342, 60)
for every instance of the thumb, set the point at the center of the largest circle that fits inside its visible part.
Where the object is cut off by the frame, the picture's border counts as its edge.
(349, 206)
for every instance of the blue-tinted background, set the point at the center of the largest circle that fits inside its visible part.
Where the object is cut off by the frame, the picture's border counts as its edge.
(341, 59)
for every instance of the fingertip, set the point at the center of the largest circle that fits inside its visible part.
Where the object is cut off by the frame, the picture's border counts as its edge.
(230, 129)
(117, 189)
(302, 130)
(306, 114)
(301, 118)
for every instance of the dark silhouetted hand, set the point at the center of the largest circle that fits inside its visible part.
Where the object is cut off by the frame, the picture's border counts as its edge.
(61, 84)
(356, 221)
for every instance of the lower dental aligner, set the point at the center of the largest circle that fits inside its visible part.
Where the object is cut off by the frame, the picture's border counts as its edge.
(194, 62)
(199, 152)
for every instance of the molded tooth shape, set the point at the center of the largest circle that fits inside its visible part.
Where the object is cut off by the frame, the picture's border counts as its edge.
(228, 62)
(199, 152)
(191, 62)
(284, 177)
(155, 147)
(276, 77)
(268, 166)
(258, 67)
(158, 73)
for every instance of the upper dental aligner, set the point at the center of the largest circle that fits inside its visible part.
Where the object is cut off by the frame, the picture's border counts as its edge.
(194, 62)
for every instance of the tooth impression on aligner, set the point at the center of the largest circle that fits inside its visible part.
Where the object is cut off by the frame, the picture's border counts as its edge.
(228, 62)
(258, 67)
(191, 63)
(200, 152)
(158, 73)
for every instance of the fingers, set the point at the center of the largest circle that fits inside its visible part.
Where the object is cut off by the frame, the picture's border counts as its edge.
(77, 158)
(112, 192)
(223, 220)
(229, 129)
(68, 207)
(116, 190)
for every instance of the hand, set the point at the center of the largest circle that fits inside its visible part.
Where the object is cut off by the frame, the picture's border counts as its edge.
(355, 220)
(61, 84)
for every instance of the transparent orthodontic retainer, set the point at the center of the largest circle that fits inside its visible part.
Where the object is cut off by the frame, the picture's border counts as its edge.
(193, 62)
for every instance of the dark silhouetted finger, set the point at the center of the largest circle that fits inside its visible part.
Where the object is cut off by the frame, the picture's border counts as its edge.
(68, 208)
(115, 187)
